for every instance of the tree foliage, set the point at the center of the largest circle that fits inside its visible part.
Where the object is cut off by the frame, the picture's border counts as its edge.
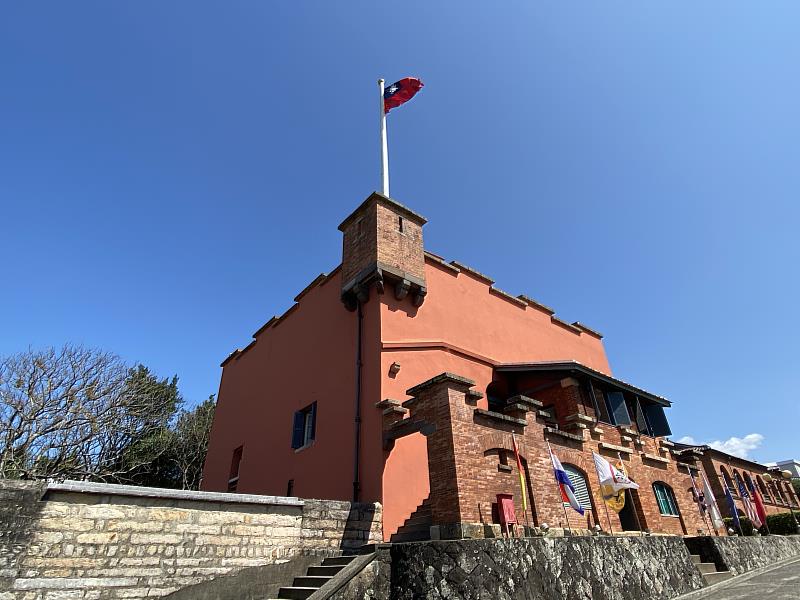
(81, 413)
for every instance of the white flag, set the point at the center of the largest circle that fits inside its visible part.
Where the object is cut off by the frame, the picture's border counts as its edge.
(609, 475)
(711, 503)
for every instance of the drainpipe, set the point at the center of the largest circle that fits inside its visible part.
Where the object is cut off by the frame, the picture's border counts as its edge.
(359, 364)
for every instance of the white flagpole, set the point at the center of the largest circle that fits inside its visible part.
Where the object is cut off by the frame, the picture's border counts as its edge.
(384, 146)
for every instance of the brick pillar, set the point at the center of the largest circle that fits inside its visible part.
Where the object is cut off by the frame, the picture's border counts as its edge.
(442, 402)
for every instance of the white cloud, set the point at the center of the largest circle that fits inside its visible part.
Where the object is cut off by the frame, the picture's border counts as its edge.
(735, 446)
(739, 446)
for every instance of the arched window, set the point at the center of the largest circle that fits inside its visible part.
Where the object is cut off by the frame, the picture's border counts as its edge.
(581, 486)
(737, 477)
(779, 493)
(667, 505)
(763, 488)
(748, 484)
(727, 479)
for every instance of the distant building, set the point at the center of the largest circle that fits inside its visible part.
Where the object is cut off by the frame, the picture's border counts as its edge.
(792, 465)
(724, 470)
(400, 378)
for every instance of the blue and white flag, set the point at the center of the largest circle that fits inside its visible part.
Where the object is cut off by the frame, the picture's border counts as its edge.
(565, 485)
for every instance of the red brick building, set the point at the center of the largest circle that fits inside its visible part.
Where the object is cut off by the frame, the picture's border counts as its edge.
(725, 470)
(400, 377)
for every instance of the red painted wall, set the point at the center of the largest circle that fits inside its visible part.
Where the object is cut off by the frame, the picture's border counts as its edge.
(309, 356)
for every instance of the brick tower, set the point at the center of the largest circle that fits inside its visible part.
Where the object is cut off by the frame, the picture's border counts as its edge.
(382, 244)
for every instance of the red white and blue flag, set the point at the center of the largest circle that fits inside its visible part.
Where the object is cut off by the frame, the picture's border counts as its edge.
(565, 485)
(400, 92)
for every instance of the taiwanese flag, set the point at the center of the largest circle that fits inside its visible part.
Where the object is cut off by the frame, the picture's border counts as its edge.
(400, 92)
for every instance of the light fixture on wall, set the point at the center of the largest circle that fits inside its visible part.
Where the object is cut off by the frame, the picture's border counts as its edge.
(394, 368)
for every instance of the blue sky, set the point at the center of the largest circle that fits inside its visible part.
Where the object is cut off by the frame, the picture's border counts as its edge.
(172, 174)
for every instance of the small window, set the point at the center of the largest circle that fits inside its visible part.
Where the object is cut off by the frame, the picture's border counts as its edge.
(400, 224)
(233, 477)
(290, 488)
(305, 426)
(667, 505)
(360, 227)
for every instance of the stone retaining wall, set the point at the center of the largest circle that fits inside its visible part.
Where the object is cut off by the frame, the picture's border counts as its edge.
(84, 541)
(601, 568)
(741, 554)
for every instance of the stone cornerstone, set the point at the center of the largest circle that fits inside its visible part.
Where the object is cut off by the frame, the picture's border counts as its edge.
(81, 540)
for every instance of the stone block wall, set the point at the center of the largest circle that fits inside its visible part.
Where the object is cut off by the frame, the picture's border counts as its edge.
(84, 541)
(741, 554)
(601, 568)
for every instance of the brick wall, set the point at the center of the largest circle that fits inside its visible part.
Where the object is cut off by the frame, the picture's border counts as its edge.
(372, 238)
(86, 541)
(471, 460)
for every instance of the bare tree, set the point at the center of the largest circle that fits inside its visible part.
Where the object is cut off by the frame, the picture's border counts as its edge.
(77, 413)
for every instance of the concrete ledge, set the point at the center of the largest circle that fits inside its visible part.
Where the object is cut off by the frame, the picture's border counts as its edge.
(441, 378)
(108, 489)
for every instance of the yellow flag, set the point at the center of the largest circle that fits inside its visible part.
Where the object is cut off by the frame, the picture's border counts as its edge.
(521, 475)
(615, 500)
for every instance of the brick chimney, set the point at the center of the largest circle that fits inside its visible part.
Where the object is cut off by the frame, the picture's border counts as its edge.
(382, 244)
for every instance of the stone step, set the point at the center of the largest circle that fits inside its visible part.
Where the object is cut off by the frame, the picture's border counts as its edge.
(324, 570)
(296, 593)
(712, 578)
(337, 561)
(706, 568)
(315, 581)
(415, 521)
(419, 528)
(411, 536)
(696, 558)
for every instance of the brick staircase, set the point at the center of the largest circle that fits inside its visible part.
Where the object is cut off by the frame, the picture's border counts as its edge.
(315, 578)
(418, 526)
(709, 571)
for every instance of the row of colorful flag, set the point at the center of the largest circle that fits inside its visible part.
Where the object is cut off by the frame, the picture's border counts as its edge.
(614, 480)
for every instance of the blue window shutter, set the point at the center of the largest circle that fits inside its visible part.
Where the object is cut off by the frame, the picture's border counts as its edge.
(616, 405)
(657, 420)
(314, 421)
(641, 421)
(297, 429)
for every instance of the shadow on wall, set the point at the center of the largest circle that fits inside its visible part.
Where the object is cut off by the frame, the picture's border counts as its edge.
(358, 526)
(19, 511)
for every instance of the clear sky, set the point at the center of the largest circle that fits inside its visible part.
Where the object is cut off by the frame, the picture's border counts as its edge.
(172, 174)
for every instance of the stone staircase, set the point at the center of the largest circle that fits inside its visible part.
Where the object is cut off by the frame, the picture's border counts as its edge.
(418, 526)
(315, 578)
(709, 571)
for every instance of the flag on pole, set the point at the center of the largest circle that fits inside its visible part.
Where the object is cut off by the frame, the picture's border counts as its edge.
(565, 485)
(732, 506)
(613, 482)
(521, 475)
(749, 509)
(711, 503)
(756, 495)
(698, 496)
(400, 92)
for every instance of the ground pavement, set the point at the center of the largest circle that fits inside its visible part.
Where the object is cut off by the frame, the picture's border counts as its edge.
(780, 583)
